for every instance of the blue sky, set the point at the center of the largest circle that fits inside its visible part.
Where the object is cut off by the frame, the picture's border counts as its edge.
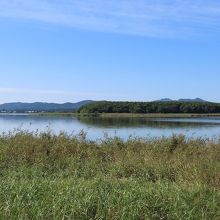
(70, 50)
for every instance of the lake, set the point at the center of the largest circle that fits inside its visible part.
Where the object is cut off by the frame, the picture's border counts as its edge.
(97, 128)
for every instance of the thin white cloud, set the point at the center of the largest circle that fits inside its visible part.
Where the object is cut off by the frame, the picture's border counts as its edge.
(34, 91)
(32, 95)
(60, 96)
(160, 18)
(42, 92)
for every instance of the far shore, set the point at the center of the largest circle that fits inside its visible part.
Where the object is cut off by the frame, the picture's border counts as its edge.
(129, 115)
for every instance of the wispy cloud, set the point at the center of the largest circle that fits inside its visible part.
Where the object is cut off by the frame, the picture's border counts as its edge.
(39, 92)
(160, 18)
(60, 96)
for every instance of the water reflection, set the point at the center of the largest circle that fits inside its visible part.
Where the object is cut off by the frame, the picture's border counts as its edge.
(123, 127)
(146, 122)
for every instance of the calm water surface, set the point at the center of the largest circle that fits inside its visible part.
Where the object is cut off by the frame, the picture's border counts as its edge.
(97, 128)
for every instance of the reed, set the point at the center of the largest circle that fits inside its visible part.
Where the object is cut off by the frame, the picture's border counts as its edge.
(46, 176)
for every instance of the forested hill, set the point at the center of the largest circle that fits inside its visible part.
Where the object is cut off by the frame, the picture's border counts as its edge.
(150, 107)
(42, 106)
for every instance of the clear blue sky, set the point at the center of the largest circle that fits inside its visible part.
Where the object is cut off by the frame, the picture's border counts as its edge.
(70, 50)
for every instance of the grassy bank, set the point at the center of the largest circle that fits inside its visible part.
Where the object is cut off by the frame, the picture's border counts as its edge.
(67, 177)
(149, 115)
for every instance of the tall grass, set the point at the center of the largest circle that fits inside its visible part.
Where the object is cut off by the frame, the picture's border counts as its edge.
(46, 176)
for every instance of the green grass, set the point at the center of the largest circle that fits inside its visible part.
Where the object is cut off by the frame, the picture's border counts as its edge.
(158, 115)
(43, 176)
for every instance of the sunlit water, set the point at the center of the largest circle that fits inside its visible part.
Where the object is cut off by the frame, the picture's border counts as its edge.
(97, 128)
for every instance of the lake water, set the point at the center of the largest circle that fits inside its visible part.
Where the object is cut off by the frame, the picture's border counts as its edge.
(97, 128)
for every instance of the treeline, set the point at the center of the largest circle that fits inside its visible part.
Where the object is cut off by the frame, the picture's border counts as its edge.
(149, 107)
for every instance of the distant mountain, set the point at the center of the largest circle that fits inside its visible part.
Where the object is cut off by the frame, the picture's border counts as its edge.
(192, 100)
(42, 106)
(181, 100)
(165, 100)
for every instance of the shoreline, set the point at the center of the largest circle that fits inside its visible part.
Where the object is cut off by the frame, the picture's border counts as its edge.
(130, 115)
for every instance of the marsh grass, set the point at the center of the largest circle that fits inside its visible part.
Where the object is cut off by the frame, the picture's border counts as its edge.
(46, 176)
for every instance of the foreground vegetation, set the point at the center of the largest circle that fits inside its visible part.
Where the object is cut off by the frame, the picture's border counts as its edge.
(44, 176)
(150, 107)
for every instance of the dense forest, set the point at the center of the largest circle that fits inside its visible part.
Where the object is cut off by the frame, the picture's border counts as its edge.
(149, 107)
